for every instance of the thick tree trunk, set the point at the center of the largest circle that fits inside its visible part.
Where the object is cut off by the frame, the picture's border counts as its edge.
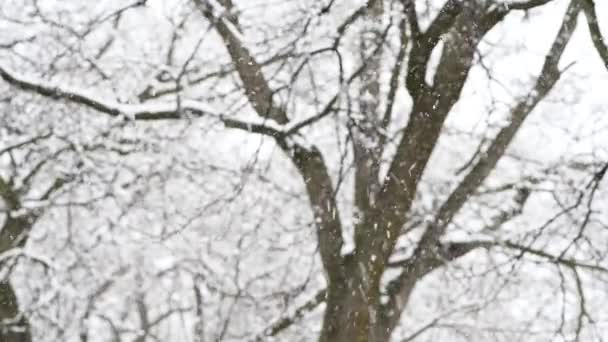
(347, 316)
(353, 312)
(13, 329)
(352, 318)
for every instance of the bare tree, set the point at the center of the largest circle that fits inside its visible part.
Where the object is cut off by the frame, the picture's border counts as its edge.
(384, 81)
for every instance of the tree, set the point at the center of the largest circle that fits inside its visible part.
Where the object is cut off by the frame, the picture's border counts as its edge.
(392, 202)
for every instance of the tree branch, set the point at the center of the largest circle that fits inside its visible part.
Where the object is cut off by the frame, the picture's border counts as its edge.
(594, 30)
(526, 5)
(487, 162)
(308, 160)
(418, 264)
(139, 112)
(257, 89)
(420, 137)
(573, 263)
(414, 269)
(285, 322)
(424, 43)
(313, 170)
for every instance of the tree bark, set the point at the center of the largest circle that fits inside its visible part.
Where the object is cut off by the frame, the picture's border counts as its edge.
(351, 306)
(14, 328)
(13, 233)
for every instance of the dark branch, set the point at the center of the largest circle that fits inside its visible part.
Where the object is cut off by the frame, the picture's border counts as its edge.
(145, 112)
(256, 87)
(287, 321)
(424, 43)
(487, 162)
(594, 30)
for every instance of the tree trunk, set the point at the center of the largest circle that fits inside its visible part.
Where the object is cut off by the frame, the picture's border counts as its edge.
(351, 317)
(13, 328)
(347, 316)
(353, 312)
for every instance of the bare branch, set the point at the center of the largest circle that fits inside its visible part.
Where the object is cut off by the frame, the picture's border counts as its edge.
(487, 162)
(415, 268)
(285, 322)
(309, 162)
(421, 134)
(250, 71)
(547, 256)
(594, 30)
(139, 112)
(525, 5)
(424, 43)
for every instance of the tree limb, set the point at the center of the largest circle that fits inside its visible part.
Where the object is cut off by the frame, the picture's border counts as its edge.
(313, 170)
(285, 322)
(250, 71)
(420, 137)
(594, 30)
(139, 112)
(424, 43)
(487, 162)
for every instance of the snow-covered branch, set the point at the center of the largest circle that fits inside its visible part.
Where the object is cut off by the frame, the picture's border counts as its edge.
(139, 112)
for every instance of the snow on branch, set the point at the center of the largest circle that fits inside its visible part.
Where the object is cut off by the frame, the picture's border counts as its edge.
(143, 112)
